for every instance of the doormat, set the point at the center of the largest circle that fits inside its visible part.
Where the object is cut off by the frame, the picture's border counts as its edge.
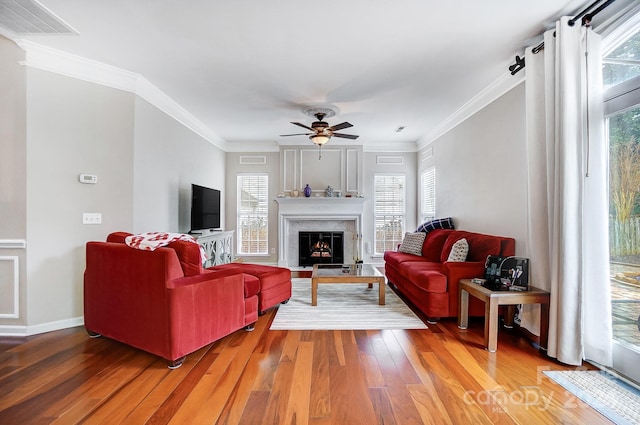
(613, 398)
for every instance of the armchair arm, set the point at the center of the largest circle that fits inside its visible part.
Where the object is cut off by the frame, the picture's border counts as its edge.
(204, 308)
(456, 271)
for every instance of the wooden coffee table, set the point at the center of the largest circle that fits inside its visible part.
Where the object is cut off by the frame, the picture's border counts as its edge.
(351, 273)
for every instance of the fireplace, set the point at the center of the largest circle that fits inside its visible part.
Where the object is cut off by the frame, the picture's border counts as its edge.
(320, 248)
(317, 214)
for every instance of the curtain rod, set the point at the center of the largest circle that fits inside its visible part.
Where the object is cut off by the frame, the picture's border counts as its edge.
(586, 16)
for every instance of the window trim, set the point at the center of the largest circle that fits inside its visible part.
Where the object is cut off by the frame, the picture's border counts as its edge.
(423, 213)
(375, 253)
(238, 215)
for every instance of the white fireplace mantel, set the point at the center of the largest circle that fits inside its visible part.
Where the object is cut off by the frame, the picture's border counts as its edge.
(312, 211)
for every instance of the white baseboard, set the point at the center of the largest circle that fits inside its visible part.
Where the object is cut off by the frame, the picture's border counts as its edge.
(6, 330)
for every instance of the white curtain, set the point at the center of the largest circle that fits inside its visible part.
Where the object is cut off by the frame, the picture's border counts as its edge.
(567, 222)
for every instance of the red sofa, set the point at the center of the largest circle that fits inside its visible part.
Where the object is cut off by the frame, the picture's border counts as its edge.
(430, 282)
(163, 301)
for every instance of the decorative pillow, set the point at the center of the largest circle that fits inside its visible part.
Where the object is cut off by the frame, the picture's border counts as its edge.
(412, 243)
(438, 223)
(459, 251)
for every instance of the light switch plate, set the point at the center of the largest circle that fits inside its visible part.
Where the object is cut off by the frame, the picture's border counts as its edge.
(91, 218)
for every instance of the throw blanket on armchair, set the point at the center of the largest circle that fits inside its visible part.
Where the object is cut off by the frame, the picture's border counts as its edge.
(150, 241)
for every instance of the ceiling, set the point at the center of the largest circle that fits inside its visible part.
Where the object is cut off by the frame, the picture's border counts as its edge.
(247, 68)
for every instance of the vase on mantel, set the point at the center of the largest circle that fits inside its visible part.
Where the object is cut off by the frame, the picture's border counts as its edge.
(307, 191)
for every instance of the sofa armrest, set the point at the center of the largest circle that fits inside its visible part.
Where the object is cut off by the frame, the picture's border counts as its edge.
(461, 270)
(205, 276)
(456, 271)
(204, 308)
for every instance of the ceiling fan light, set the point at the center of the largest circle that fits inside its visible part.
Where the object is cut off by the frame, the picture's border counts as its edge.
(319, 139)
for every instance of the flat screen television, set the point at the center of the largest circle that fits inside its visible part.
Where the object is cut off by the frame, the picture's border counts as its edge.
(205, 208)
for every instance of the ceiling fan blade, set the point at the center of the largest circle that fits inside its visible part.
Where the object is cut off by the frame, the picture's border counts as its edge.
(340, 126)
(297, 134)
(345, 136)
(303, 126)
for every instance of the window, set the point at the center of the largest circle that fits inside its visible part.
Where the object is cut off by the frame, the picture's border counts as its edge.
(253, 214)
(621, 73)
(623, 63)
(389, 211)
(428, 194)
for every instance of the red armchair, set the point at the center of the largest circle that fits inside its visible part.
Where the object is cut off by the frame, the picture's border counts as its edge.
(162, 301)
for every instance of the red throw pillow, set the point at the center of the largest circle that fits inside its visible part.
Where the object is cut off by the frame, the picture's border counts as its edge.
(189, 257)
(434, 243)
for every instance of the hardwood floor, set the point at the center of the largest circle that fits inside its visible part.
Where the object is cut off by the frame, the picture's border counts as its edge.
(440, 375)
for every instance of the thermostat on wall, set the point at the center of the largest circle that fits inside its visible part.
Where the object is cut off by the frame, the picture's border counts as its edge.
(88, 178)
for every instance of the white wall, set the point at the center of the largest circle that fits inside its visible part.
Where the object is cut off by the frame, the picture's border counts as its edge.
(167, 159)
(481, 170)
(73, 127)
(387, 163)
(61, 126)
(254, 162)
(13, 181)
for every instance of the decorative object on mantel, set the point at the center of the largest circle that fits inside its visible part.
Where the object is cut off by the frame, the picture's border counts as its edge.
(307, 191)
(294, 193)
(329, 192)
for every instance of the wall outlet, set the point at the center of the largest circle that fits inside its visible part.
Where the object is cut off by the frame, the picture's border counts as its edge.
(91, 218)
(88, 178)
(273, 250)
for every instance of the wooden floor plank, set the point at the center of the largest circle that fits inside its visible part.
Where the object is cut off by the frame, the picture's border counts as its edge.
(350, 402)
(437, 375)
(320, 397)
(299, 398)
(238, 400)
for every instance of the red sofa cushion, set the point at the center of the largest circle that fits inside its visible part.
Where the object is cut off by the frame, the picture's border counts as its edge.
(430, 280)
(189, 256)
(118, 237)
(480, 246)
(396, 258)
(269, 276)
(188, 253)
(434, 243)
(251, 285)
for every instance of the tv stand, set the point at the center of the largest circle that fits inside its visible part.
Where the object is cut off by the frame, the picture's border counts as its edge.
(218, 245)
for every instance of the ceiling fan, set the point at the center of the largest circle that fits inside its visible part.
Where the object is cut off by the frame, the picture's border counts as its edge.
(321, 131)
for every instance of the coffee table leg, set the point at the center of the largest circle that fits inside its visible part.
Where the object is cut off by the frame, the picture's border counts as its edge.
(381, 291)
(314, 292)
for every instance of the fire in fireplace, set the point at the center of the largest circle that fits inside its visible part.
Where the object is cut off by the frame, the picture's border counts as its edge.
(320, 247)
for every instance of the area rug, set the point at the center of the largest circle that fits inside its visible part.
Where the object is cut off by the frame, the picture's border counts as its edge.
(342, 307)
(613, 398)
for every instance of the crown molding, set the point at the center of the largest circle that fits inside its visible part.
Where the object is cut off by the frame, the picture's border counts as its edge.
(499, 87)
(393, 147)
(252, 147)
(56, 61)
